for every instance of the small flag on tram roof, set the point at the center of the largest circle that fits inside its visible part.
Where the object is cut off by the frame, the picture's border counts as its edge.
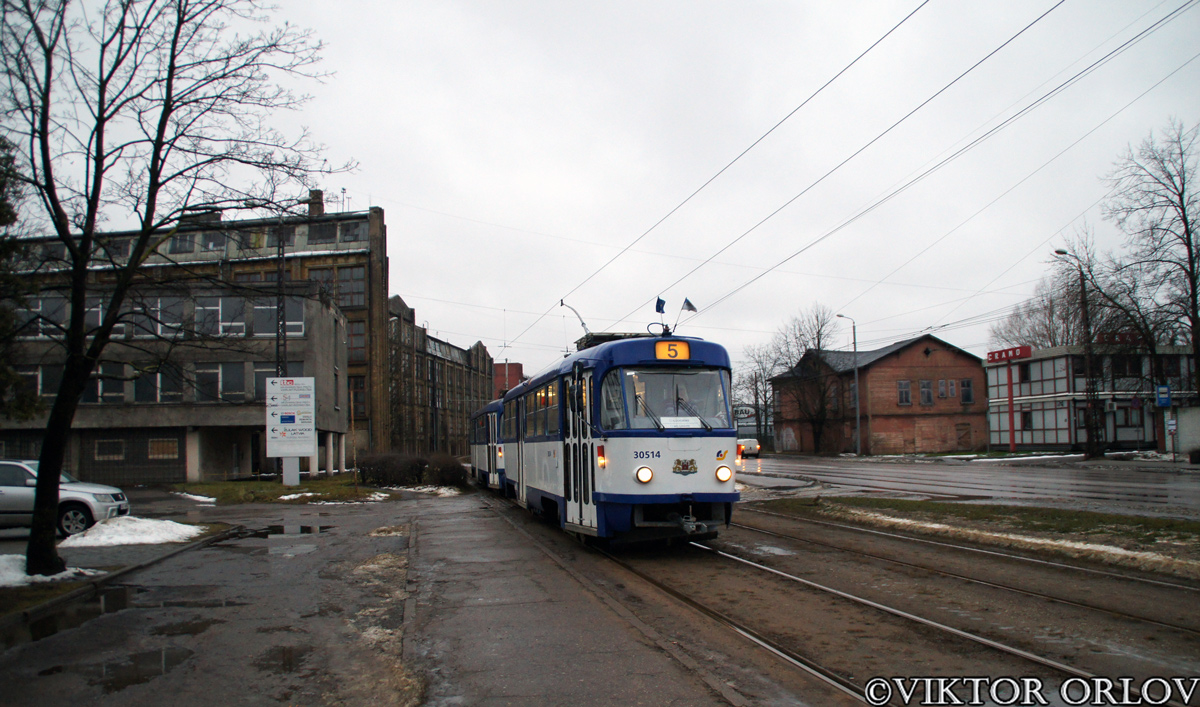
(661, 306)
(688, 306)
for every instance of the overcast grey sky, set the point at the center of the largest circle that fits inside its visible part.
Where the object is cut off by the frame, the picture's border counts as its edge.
(518, 146)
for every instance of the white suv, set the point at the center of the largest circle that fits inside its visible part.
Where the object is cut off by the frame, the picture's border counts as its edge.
(80, 505)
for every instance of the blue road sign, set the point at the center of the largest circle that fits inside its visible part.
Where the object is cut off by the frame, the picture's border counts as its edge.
(1164, 396)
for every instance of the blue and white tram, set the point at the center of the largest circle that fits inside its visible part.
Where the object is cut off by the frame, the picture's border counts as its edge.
(487, 465)
(631, 439)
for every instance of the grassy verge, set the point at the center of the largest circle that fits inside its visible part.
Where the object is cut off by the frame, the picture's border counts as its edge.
(15, 599)
(1136, 529)
(338, 488)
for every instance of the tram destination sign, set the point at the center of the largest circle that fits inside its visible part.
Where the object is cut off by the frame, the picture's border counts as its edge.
(1012, 354)
(291, 417)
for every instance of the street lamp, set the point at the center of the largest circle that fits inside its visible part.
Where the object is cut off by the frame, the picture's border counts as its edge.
(857, 412)
(1092, 447)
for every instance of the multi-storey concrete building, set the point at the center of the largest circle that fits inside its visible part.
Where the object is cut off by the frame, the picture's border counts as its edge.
(339, 260)
(180, 394)
(435, 386)
(1048, 393)
(916, 396)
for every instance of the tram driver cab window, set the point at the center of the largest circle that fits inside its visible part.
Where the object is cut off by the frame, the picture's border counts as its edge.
(612, 407)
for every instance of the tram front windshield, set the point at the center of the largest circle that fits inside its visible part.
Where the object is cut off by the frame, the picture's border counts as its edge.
(649, 398)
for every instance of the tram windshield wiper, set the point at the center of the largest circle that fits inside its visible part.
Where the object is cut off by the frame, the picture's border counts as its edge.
(681, 403)
(649, 413)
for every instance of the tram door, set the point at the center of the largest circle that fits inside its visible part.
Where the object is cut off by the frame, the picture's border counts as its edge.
(518, 472)
(579, 453)
(493, 444)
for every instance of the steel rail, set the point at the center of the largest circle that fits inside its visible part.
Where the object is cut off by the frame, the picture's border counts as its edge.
(995, 553)
(792, 658)
(986, 642)
(975, 580)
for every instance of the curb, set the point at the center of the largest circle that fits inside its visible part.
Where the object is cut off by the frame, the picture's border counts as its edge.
(95, 585)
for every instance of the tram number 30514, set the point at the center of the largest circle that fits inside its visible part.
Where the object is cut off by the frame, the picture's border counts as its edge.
(647, 455)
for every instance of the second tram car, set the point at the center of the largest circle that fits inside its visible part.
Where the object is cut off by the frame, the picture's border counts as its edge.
(631, 439)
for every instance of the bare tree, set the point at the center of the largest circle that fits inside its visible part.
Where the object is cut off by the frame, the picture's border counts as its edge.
(811, 393)
(752, 384)
(138, 112)
(15, 401)
(1156, 204)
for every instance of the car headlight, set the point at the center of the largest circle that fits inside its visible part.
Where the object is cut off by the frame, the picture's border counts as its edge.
(724, 474)
(103, 497)
(644, 474)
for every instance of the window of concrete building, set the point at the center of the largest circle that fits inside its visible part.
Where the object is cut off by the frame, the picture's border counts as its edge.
(927, 392)
(112, 383)
(110, 450)
(1128, 417)
(211, 241)
(322, 232)
(1170, 366)
(277, 233)
(357, 342)
(253, 276)
(967, 393)
(162, 449)
(324, 276)
(51, 379)
(1126, 365)
(1024, 374)
(904, 392)
(220, 381)
(1026, 419)
(266, 369)
(116, 248)
(208, 315)
(28, 377)
(358, 396)
(181, 243)
(354, 232)
(352, 286)
(159, 384)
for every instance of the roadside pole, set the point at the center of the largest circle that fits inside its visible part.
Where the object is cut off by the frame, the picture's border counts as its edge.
(291, 424)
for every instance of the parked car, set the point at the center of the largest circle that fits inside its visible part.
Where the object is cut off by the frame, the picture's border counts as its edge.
(80, 505)
(750, 447)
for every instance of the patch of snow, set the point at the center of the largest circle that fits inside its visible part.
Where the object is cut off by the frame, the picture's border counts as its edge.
(294, 496)
(130, 530)
(1062, 457)
(12, 573)
(373, 498)
(194, 497)
(771, 550)
(439, 491)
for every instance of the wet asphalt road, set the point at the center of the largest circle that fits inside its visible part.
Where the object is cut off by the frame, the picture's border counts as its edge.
(1130, 485)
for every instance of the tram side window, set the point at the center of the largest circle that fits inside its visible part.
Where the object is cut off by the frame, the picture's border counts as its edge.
(552, 408)
(612, 412)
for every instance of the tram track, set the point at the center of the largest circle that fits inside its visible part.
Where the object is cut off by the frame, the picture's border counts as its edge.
(975, 580)
(977, 550)
(807, 650)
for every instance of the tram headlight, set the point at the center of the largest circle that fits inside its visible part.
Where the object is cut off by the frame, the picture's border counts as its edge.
(644, 474)
(724, 474)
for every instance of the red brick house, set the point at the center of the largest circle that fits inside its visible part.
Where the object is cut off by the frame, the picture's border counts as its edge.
(920, 395)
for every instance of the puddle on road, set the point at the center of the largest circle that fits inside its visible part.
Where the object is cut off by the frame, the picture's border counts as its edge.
(136, 669)
(283, 659)
(186, 628)
(285, 531)
(107, 601)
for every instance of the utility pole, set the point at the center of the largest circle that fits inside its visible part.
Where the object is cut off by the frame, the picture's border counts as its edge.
(857, 410)
(1092, 446)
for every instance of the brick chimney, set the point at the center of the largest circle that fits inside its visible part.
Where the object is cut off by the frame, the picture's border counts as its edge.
(316, 203)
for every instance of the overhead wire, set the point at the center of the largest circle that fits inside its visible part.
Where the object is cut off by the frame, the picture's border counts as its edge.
(838, 166)
(958, 153)
(730, 164)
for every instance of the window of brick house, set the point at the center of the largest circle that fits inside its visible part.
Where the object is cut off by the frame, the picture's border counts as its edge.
(904, 392)
(953, 392)
(966, 392)
(941, 387)
(927, 392)
(358, 396)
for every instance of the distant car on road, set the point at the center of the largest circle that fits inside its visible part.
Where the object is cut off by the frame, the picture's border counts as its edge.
(750, 447)
(80, 505)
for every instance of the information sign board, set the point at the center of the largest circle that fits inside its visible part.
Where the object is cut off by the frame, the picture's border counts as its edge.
(291, 417)
(1163, 396)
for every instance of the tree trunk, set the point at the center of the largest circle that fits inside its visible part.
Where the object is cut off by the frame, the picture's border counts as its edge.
(41, 555)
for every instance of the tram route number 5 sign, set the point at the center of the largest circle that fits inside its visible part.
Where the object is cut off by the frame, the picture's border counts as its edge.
(291, 417)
